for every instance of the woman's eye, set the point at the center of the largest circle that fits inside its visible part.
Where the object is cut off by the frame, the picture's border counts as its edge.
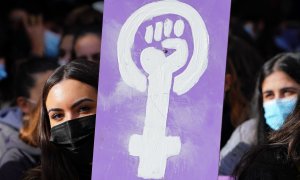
(84, 109)
(268, 96)
(56, 116)
(289, 93)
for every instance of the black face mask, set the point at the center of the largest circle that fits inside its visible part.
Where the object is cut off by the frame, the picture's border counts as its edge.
(72, 134)
(76, 138)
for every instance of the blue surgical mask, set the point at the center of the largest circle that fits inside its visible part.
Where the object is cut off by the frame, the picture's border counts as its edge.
(250, 30)
(51, 42)
(276, 111)
(3, 73)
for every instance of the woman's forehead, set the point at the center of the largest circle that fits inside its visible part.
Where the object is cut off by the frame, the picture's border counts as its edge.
(278, 80)
(69, 90)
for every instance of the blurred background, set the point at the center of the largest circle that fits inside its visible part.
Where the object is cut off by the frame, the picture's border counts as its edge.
(60, 30)
(47, 29)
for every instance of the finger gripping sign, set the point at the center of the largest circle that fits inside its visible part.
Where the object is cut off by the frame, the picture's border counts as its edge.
(161, 90)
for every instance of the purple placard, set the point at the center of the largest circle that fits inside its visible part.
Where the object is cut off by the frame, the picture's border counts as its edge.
(161, 89)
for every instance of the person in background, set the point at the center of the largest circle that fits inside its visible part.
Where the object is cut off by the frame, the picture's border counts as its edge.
(66, 48)
(83, 18)
(6, 94)
(275, 97)
(30, 79)
(87, 46)
(287, 37)
(22, 152)
(82, 35)
(69, 101)
(242, 67)
(278, 158)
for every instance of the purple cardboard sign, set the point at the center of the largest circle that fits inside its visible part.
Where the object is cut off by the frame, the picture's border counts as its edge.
(161, 89)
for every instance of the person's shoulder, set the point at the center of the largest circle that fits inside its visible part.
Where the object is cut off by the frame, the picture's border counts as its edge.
(6, 135)
(11, 166)
(245, 132)
(10, 118)
(6, 129)
(248, 131)
(240, 141)
(11, 155)
(17, 150)
(249, 124)
(14, 163)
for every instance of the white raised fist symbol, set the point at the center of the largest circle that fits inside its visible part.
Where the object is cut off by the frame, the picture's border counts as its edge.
(153, 58)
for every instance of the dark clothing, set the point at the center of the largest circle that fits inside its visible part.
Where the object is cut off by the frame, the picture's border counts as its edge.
(228, 163)
(10, 123)
(18, 158)
(227, 127)
(268, 163)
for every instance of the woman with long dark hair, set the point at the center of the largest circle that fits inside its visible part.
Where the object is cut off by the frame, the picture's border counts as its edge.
(68, 122)
(279, 158)
(275, 97)
(288, 64)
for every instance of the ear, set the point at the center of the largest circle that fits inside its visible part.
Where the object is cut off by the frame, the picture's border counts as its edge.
(23, 104)
(228, 82)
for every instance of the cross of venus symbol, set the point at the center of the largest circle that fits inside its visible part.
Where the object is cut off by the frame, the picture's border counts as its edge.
(153, 147)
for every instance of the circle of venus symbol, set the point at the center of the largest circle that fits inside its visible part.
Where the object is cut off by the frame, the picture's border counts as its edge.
(153, 147)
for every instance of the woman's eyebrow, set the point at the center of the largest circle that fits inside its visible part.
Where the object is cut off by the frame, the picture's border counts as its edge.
(267, 91)
(289, 89)
(78, 102)
(54, 109)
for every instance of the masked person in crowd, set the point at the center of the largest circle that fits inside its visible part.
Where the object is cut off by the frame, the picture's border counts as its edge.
(279, 158)
(275, 97)
(30, 78)
(68, 117)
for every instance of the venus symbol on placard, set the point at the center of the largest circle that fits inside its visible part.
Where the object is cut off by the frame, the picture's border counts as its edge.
(154, 147)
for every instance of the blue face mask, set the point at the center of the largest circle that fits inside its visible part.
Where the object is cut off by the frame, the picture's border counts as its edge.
(276, 111)
(51, 42)
(3, 73)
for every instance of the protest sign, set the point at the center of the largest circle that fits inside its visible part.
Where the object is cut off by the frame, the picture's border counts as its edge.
(161, 89)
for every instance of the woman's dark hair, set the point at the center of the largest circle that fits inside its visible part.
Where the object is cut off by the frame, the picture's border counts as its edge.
(289, 134)
(288, 63)
(279, 157)
(54, 164)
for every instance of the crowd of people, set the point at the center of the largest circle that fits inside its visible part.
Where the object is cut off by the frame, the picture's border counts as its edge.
(50, 47)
